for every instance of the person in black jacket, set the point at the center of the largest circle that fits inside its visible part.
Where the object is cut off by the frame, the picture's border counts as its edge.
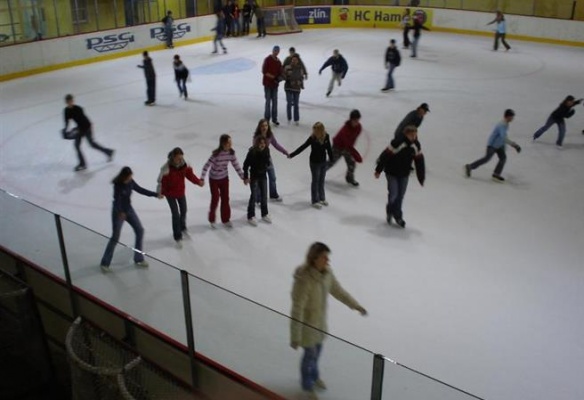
(246, 13)
(557, 117)
(122, 210)
(320, 146)
(219, 32)
(150, 75)
(414, 118)
(396, 161)
(85, 129)
(392, 61)
(181, 74)
(339, 66)
(255, 168)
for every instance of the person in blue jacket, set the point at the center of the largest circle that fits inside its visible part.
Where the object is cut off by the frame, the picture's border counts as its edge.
(500, 32)
(496, 145)
(339, 67)
(565, 110)
(122, 210)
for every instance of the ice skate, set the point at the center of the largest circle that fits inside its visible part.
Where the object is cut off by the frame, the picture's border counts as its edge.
(143, 264)
(498, 178)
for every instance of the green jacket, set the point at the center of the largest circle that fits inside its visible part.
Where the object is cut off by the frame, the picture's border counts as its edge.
(309, 304)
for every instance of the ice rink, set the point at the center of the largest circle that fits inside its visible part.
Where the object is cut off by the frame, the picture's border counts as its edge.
(484, 289)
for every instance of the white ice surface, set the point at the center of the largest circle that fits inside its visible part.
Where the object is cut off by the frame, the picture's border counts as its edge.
(483, 289)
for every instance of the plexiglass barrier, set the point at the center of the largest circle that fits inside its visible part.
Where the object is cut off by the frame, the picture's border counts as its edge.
(240, 335)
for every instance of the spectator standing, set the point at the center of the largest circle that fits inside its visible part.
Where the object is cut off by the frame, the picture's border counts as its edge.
(344, 146)
(168, 21)
(247, 16)
(150, 76)
(260, 21)
(181, 75)
(392, 61)
(228, 18)
(339, 68)
(272, 72)
(235, 13)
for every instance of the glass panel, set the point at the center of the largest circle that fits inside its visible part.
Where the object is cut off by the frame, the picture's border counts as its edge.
(107, 13)
(84, 16)
(522, 7)
(7, 28)
(152, 295)
(254, 342)
(49, 23)
(204, 7)
(400, 383)
(480, 5)
(30, 231)
(554, 9)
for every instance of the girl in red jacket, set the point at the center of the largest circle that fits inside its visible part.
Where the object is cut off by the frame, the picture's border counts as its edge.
(344, 146)
(171, 184)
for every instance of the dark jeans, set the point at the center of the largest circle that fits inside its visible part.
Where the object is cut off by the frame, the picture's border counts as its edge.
(337, 154)
(271, 183)
(246, 22)
(168, 32)
(390, 84)
(396, 188)
(292, 98)
(261, 27)
(318, 171)
(228, 25)
(258, 188)
(406, 37)
(151, 90)
(89, 135)
(182, 86)
(502, 37)
(117, 222)
(309, 366)
(548, 124)
(490, 152)
(178, 209)
(235, 27)
(218, 39)
(271, 106)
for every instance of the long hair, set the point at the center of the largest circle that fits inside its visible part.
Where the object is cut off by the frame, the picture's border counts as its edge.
(122, 175)
(319, 132)
(314, 251)
(223, 139)
(258, 130)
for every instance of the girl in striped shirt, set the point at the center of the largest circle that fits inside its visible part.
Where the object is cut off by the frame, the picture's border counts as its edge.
(219, 179)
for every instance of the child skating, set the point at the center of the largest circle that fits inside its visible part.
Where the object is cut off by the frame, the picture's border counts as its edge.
(255, 168)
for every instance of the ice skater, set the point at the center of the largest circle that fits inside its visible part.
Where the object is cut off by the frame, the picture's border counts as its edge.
(500, 31)
(415, 118)
(74, 112)
(167, 22)
(565, 110)
(181, 75)
(264, 130)
(294, 75)
(339, 69)
(292, 53)
(219, 32)
(417, 27)
(496, 145)
(344, 146)
(171, 184)
(396, 160)
(313, 282)
(217, 165)
(255, 168)
(122, 210)
(320, 146)
(272, 72)
(150, 76)
(392, 61)
(406, 26)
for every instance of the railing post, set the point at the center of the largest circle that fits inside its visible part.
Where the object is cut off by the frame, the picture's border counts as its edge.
(65, 261)
(184, 278)
(377, 381)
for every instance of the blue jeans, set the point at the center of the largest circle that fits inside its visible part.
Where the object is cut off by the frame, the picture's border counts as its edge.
(272, 184)
(548, 125)
(292, 98)
(415, 46)
(309, 366)
(219, 39)
(489, 154)
(396, 187)
(178, 209)
(117, 222)
(318, 171)
(271, 109)
(390, 83)
(258, 190)
(182, 86)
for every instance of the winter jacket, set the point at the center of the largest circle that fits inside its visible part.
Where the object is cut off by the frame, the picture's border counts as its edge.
(180, 71)
(294, 77)
(288, 61)
(563, 111)
(413, 118)
(272, 65)
(218, 165)
(392, 56)
(148, 68)
(171, 181)
(318, 151)
(498, 137)
(309, 304)
(122, 193)
(417, 27)
(219, 27)
(246, 11)
(396, 160)
(256, 163)
(76, 114)
(338, 64)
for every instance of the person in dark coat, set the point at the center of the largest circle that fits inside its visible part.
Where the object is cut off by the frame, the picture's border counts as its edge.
(392, 61)
(255, 168)
(339, 67)
(396, 160)
(84, 127)
(122, 210)
(150, 76)
(219, 32)
(565, 110)
(414, 118)
(167, 22)
(247, 14)
(228, 18)
(181, 74)
(294, 74)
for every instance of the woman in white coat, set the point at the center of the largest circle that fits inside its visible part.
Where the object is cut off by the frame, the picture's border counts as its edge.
(312, 282)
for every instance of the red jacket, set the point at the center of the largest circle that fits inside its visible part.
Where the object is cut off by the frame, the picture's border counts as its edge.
(272, 65)
(171, 181)
(345, 139)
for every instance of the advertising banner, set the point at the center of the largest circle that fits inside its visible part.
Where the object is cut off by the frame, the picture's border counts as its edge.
(375, 17)
(312, 15)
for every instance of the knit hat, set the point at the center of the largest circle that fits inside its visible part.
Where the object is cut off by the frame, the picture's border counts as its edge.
(424, 106)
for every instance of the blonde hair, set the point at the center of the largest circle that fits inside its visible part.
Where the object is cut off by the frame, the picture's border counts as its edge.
(318, 131)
